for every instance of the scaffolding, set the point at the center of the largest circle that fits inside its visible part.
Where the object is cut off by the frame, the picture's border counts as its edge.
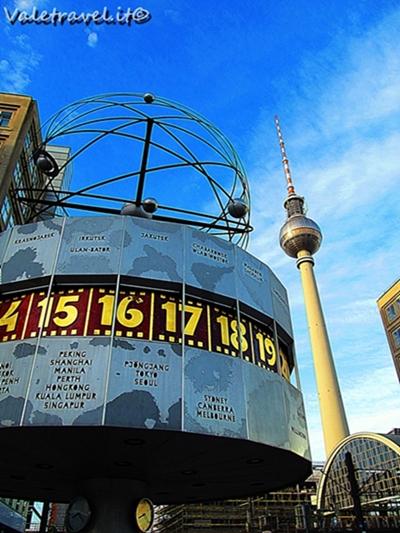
(284, 511)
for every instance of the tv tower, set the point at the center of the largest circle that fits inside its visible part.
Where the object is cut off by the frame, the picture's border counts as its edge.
(300, 237)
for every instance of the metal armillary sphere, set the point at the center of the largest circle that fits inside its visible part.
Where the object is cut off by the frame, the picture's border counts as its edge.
(141, 155)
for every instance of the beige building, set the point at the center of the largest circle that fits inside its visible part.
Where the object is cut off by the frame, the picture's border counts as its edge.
(389, 307)
(20, 137)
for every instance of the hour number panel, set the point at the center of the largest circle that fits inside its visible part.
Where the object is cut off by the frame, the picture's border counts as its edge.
(264, 348)
(13, 313)
(143, 314)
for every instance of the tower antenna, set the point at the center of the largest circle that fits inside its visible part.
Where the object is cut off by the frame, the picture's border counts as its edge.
(285, 160)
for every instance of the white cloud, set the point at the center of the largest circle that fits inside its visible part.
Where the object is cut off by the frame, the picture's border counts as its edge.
(341, 133)
(375, 400)
(18, 65)
(92, 39)
(370, 90)
(27, 5)
(174, 15)
(373, 404)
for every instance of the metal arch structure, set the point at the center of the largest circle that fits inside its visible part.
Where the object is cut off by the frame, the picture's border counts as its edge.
(360, 483)
(183, 132)
(391, 441)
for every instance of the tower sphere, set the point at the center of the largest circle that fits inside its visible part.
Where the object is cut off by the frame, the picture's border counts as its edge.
(300, 233)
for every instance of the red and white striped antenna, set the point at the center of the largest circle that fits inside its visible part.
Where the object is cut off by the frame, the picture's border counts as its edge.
(285, 160)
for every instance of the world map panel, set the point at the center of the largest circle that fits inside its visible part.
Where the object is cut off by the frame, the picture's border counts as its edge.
(280, 304)
(209, 263)
(253, 282)
(4, 238)
(153, 250)
(68, 382)
(31, 251)
(266, 413)
(91, 245)
(213, 394)
(16, 359)
(145, 385)
(298, 434)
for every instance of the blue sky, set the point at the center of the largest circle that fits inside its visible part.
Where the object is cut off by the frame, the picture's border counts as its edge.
(331, 70)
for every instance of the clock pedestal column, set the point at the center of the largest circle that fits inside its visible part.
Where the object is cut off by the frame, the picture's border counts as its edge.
(113, 504)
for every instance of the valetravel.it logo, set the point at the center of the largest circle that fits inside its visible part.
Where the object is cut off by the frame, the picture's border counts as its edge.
(55, 17)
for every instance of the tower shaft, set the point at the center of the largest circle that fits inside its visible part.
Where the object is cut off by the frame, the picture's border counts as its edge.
(300, 237)
(333, 416)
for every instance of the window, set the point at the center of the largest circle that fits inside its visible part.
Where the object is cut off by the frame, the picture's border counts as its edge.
(396, 337)
(18, 179)
(6, 213)
(5, 117)
(391, 312)
(28, 140)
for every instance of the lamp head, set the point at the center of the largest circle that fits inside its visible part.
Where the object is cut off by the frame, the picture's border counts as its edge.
(46, 163)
